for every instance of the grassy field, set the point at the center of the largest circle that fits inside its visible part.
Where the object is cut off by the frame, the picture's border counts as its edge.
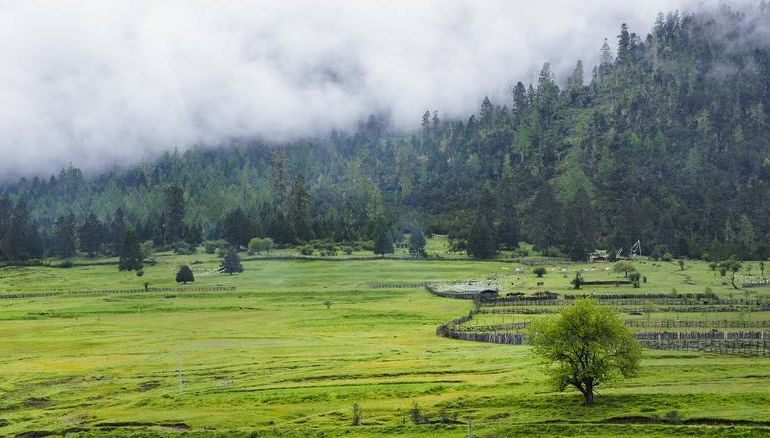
(270, 359)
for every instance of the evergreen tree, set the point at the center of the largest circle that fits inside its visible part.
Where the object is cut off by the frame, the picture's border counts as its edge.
(231, 263)
(6, 214)
(131, 255)
(64, 238)
(579, 226)
(173, 213)
(417, 243)
(280, 178)
(117, 232)
(237, 228)
(384, 243)
(22, 240)
(91, 235)
(544, 219)
(299, 210)
(481, 241)
(185, 275)
(624, 44)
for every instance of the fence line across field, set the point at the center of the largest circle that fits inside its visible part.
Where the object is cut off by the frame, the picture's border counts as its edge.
(13, 296)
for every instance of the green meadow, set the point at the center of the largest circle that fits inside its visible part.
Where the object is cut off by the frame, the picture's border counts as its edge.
(298, 342)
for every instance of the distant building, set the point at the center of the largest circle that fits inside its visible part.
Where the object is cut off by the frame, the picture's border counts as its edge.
(599, 255)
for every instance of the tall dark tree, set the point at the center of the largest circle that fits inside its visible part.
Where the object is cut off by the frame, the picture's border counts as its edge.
(231, 263)
(173, 213)
(579, 226)
(131, 254)
(481, 240)
(384, 243)
(279, 178)
(6, 214)
(299, 210)
(237, 228)
(417, 243)
(544, 218)
(64, 236)
(117, 232)
(91, 235)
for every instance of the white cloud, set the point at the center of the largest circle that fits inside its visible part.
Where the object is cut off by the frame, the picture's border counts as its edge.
(97, 83)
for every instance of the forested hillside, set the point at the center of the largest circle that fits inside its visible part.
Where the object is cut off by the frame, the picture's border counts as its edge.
(667, 141)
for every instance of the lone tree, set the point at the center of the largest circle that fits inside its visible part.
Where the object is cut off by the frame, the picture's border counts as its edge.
(585, 346)
(733, 266)
(540, 271)
(231, 263)
(184, 275)
(577, 281)
(623, 266)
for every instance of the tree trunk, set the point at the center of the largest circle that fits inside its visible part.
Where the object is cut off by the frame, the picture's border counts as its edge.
(589, 392)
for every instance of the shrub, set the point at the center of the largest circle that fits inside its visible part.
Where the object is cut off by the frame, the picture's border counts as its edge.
(416, 414)
(140, 273)
(667, 257)
(540, 271)
(184, 248)
(257, 245)
(306, 250)
(358, 414)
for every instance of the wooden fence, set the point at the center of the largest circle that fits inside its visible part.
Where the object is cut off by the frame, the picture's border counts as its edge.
(397, 285)
(724, 323)
(41, 294)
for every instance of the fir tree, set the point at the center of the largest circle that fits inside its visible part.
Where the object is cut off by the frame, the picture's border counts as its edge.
(384, 243)
(185, 275)
(131, 253)
(91, 235)
(231, 263)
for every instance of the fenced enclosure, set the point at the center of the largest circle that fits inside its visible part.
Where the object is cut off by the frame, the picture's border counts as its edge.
(736, 332)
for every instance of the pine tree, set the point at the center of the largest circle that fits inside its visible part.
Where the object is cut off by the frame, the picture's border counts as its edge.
(64, 238)
(579, 226)
(520, 99)
(279, 178)
(91, 235)
(6, 217)
(299, 210)
(605, 58)
(117, 232)
(185, 275)
(131, 254)
(417, 243)
(22, 241)
(481, 241)
(384, 243)
(237, 228)
(544, 218)
(624, 44)
(173, 213)
(231, 263)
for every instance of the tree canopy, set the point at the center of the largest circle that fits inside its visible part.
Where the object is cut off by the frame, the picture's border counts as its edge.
(585, 346)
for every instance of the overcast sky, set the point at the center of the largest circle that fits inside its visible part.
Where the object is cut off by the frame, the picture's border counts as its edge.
(97, 83)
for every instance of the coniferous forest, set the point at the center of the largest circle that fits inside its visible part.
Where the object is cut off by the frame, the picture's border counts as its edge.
(666, 141)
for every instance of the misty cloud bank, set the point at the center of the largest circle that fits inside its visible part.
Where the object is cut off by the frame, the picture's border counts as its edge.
(99, 83)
